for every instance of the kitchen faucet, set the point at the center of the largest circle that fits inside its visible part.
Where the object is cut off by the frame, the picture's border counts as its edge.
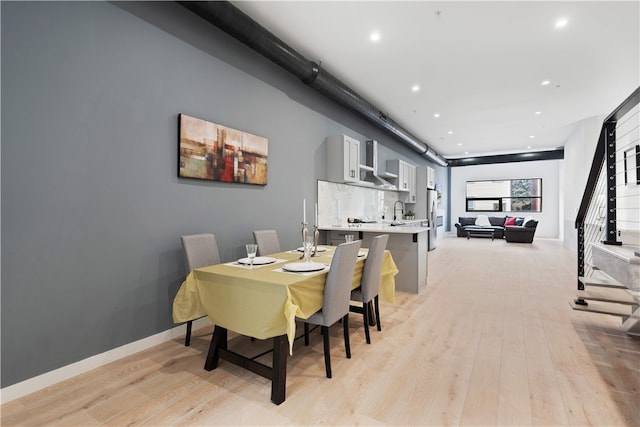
(401, 209)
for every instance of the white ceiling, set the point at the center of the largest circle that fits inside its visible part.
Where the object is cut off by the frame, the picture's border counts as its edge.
(479, 64)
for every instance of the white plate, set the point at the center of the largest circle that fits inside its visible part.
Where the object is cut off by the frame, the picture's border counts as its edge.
(300, 267)
(320, 249)
(259, 260)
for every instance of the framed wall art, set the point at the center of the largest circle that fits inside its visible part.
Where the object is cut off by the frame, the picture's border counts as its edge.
(213, 152)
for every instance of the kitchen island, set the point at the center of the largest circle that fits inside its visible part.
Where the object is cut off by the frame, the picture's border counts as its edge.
(407, 243)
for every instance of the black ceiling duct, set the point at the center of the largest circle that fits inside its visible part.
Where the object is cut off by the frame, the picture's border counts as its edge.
(236, 23)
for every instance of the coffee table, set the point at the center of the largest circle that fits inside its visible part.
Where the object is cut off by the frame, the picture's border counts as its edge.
(477, 231)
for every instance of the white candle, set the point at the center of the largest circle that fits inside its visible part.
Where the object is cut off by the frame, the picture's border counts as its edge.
(316, 214)
(304, 211)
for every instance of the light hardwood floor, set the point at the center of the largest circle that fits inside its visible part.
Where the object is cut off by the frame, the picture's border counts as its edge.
(491, 341)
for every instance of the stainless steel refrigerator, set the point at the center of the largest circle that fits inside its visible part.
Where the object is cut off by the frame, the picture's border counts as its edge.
(427, 202)
(432, 213)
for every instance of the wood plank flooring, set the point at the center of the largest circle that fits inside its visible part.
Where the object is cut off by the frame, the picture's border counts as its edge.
(491, 341)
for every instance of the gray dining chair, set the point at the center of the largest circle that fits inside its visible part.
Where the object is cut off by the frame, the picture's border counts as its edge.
(370, 283)
(267, 241)
(335, 304)
(200, 250)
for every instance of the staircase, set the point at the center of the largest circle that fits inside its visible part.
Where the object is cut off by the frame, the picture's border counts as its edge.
(613, 286)
(608, 221)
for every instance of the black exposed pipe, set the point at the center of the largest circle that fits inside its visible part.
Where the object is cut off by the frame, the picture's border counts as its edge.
(330, 86)
(233, 21)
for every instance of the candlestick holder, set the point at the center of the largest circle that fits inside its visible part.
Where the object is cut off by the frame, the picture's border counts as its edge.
(316, 235)
(305, 233)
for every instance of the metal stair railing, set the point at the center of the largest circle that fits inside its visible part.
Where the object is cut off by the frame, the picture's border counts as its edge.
(594, 225)
(609, 193)
(627, 172)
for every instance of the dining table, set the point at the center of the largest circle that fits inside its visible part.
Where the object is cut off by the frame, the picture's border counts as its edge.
(262, 301)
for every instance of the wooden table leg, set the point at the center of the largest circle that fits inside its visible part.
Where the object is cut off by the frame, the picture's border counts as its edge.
(218, 341)
(279, 372)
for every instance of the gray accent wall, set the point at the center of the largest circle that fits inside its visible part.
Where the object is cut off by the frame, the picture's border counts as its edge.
(92, 209)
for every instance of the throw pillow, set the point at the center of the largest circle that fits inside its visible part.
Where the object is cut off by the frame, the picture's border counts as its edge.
(532, 223)
(483, 221)
(519, 221)
(510, 221)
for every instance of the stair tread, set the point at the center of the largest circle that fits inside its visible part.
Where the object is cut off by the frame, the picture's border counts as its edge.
(625, 253)
(609, 295)
(601, 280)
(605, 308)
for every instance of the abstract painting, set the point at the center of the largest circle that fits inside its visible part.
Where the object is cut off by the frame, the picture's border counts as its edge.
(214, 152)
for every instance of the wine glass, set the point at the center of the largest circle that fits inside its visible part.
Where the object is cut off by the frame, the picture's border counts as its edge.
(308, 248)
(252, 248)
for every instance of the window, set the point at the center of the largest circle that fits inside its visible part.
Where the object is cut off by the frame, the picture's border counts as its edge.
(509, 195)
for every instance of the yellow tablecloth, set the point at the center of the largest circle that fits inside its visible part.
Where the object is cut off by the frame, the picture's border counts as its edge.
(264, 301)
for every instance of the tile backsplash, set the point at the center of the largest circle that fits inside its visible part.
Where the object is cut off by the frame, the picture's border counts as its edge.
(337, 202)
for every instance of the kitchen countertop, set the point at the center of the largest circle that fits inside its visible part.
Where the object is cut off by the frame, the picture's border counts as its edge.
(408, 244)
(409, 228)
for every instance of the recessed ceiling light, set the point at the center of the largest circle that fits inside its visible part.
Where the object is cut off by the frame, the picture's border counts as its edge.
(436, 115)
(459, 144)
(415, 88)
(562, 22)
(375, 36)
(466, 152)
(531, 136)
(545, 82)
(450, 132)
(537, 113)
(528, 147)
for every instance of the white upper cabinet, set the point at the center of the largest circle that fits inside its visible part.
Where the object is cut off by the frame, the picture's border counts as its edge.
(343, 159)
(406, 181)
(431, 178)
(412, 184)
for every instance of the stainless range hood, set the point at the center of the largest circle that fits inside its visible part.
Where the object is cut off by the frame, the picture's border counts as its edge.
(372, 175)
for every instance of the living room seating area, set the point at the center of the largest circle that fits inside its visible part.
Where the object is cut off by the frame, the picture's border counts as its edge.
(512, 229)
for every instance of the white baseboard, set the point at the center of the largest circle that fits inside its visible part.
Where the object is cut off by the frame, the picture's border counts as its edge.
(34, 384)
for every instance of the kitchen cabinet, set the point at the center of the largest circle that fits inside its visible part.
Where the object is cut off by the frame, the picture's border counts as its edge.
(406, 181)
(343, 159)
(431, 178)
(412, 184)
